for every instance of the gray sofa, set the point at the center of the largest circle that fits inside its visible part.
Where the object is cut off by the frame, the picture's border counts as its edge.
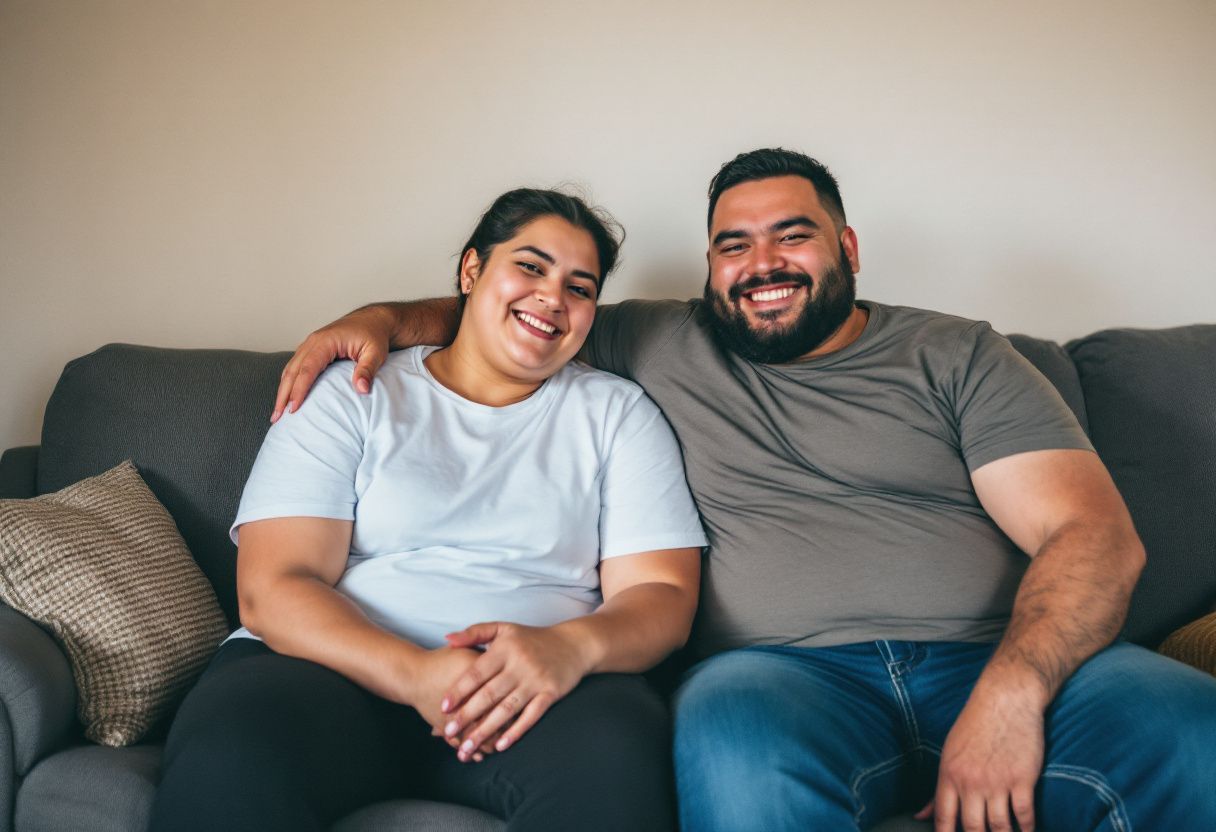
(192, 420)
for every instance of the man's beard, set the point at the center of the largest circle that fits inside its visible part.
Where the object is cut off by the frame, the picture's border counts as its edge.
(821, 315)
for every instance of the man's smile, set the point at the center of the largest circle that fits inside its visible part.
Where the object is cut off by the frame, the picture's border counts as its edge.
(768, 298)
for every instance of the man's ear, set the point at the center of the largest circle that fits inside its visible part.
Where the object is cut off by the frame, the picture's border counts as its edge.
(848, 243)
(470, 270)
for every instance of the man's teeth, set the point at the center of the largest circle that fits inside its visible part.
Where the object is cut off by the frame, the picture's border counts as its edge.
(772, 294)
(532, 320)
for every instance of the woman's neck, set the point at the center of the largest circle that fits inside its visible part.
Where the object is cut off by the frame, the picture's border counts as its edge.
(462, 369)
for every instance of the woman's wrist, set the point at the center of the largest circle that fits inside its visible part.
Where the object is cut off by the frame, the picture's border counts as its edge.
(587, 642)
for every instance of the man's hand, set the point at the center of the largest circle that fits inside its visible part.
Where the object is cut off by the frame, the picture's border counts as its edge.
(362, 336)
(990, 764)
(523, 671)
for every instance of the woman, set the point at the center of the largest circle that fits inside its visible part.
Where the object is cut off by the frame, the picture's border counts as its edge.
(489, 495)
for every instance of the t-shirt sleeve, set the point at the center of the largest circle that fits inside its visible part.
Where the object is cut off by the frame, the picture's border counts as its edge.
(626, 335)
(1003, 404)
(307, 464)
(644, 499)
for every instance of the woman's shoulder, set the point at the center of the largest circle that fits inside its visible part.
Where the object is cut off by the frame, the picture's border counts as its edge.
(585, 381)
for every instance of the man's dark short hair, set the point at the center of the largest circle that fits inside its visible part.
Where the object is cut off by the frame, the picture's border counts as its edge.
(777, 161)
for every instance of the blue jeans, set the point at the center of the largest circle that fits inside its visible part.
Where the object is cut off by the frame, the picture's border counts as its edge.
(838, 738)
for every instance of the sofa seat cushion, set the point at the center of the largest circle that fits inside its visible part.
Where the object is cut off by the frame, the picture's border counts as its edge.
(422, 815)
(90, 787)
(1151, 400)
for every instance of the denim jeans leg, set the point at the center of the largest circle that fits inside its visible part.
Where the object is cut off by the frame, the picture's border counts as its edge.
(785, 739)
(1130, 738)
(1131, 745)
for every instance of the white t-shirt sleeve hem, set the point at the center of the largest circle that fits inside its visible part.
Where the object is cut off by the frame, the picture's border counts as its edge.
(273, 512)
(638, 545)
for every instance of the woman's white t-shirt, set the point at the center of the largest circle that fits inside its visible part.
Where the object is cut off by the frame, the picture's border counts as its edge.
(465, 513)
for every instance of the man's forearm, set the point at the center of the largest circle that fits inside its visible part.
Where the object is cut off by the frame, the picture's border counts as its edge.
(428, 321)
(1072, 602)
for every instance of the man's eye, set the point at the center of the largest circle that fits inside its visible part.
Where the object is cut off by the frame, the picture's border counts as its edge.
(793, 238)
(732, 249)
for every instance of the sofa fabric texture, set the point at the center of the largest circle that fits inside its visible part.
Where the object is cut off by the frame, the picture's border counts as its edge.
(1151, 400)
(191, 420)
(1194, 644)
(101, 565)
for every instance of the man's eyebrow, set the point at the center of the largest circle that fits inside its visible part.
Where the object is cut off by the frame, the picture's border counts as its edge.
(730, 234)
(791, 222)
(781, 225)
(548, 258)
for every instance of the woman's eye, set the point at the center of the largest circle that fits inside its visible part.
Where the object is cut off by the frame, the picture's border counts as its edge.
(580, 291)
(530, 267)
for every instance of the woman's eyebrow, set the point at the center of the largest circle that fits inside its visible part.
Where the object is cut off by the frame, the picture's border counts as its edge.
(548, 258)
(543, 255)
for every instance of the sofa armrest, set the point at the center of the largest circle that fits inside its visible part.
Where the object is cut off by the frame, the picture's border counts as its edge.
(37, 692)
(19, 472)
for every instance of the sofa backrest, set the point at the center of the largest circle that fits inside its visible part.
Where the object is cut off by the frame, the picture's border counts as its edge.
(1151, 399)
(191, 420)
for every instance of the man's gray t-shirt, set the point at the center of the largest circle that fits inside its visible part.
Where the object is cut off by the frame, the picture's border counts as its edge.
(836, 492)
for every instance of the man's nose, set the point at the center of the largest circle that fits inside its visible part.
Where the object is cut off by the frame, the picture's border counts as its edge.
(766, 258)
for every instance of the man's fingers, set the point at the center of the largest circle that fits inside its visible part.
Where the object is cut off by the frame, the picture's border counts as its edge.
(998, 814)
(531, 714)
(1022, 800)
(945, 809)
(369, 362)
(925, 813)
(286, 381)
(974, 809)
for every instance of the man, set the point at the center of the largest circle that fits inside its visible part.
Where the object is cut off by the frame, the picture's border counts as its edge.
(917, 562)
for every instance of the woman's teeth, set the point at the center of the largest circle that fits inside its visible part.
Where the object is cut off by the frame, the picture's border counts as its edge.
(533, 321)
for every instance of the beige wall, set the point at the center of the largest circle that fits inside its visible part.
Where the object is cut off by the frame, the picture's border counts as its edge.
(236, 173)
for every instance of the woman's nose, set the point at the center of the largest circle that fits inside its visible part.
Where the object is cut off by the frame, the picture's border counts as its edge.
(549, 292)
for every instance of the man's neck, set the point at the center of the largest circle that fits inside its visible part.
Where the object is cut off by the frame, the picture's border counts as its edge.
(845, 334)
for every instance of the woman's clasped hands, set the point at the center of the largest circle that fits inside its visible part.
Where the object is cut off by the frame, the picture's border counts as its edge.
(499, 697)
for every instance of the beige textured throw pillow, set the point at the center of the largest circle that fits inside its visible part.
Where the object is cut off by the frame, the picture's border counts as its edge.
(102, 566)
(1194, 644)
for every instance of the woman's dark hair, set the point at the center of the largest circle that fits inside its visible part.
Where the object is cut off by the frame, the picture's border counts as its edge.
(508, 214)
(777, 161)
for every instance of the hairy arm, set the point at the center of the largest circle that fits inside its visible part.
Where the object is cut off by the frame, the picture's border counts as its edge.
(364, 336)
(649, 602)
(286, 572)
(1063, 510)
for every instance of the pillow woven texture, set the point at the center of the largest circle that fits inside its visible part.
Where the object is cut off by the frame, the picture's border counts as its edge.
(102, 566)
(1194, 644)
